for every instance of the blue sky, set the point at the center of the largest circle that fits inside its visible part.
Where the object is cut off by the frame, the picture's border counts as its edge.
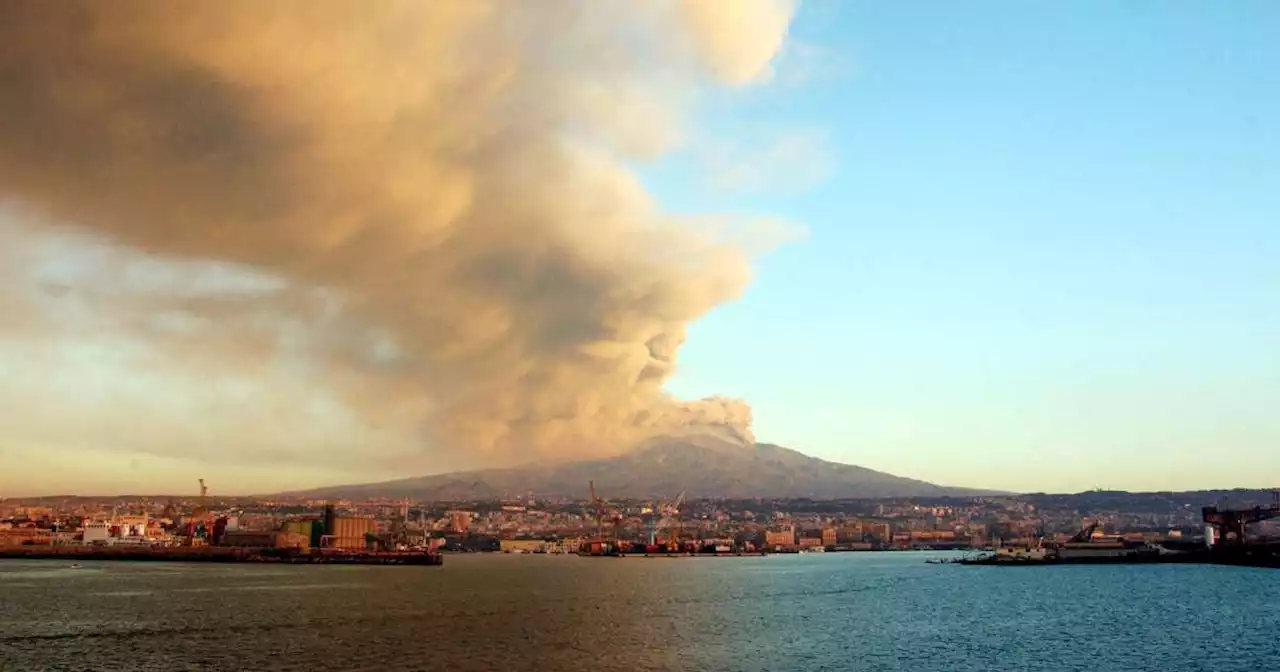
(1043, 254)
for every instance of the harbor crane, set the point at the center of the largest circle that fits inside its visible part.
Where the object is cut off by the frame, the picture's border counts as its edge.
(200, 515)
(1230, 524)
(673, 509)
(615, 518)
(670, 513)
(599, 508)
(1083, 535)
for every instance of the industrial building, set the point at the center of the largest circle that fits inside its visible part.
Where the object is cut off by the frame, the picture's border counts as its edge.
(347, 532)
(97, 532)
(350, 533)
(265, 539)
(522, 546)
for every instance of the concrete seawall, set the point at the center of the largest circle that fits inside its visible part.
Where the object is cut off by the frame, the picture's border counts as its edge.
(219, 554)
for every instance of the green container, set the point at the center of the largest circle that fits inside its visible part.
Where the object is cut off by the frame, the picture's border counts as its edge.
(317, 531)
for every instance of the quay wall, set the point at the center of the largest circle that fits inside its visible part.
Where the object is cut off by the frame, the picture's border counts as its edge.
(217, 554)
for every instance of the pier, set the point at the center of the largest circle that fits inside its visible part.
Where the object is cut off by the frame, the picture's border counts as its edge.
(1226, 542)
(221, 554)
(1256, 555)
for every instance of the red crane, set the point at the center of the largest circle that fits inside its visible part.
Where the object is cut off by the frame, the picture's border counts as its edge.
(1231, 523)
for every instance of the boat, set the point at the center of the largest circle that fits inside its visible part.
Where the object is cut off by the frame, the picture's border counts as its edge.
(598, 549)
(1034, 553)
(1071, 553)
(76, 565)
(608, 549)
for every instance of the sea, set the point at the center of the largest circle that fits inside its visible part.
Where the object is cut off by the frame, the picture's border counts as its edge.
(833, 611)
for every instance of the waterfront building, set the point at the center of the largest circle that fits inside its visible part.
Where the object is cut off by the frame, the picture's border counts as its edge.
(784, 538)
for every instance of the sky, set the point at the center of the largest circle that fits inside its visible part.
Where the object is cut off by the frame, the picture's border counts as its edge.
(1001, 244)
(1042, 254)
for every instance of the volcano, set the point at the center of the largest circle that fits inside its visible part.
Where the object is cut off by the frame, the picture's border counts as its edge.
(705, 467)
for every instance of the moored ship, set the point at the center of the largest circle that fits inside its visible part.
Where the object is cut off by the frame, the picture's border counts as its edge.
(1225, 543)
(1082, 548)
(610, 549)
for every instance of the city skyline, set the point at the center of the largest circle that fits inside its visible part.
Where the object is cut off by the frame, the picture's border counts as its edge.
(1024, 249)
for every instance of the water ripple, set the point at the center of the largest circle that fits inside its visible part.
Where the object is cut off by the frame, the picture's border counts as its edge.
(860, 612)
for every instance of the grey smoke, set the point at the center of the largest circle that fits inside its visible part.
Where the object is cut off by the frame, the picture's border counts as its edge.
(438, 194)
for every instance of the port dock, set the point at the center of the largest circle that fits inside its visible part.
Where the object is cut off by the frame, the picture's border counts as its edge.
(1226, 542)
(1257, 556)
(222, 554)
(742, 554)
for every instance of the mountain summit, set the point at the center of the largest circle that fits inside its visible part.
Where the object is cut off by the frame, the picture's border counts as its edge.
(704, 466)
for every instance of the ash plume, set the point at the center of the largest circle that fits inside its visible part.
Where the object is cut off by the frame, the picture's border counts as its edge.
(442, 190)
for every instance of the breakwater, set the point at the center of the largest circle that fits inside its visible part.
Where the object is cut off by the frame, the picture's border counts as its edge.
(1267, 556)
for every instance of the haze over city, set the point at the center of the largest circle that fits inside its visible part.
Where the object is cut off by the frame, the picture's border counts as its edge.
(1030, 253)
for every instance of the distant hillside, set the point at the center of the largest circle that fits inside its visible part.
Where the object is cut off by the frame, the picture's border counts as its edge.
(704, 466)
(1151, 503)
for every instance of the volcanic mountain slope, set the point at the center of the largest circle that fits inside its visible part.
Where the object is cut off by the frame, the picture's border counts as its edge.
(705, 467)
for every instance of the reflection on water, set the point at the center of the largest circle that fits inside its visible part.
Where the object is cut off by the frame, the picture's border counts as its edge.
(276, 586)
(829, 611)
(44, 570)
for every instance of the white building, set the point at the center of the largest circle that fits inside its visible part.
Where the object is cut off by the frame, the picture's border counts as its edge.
(96, 532)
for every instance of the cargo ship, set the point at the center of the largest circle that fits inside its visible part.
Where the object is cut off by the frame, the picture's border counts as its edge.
(673, 547)
(1074, 553)
(1247, 555)
(1084, 550)
(1225, 543)
(608, 549)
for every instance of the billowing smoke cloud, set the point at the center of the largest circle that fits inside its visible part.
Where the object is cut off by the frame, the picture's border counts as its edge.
(438, 191)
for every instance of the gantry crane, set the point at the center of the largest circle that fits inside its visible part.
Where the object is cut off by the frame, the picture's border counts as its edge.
(615, 517)
(1231, 523)
(670, 514)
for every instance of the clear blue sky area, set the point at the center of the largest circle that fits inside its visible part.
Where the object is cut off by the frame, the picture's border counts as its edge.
(1046, 254)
